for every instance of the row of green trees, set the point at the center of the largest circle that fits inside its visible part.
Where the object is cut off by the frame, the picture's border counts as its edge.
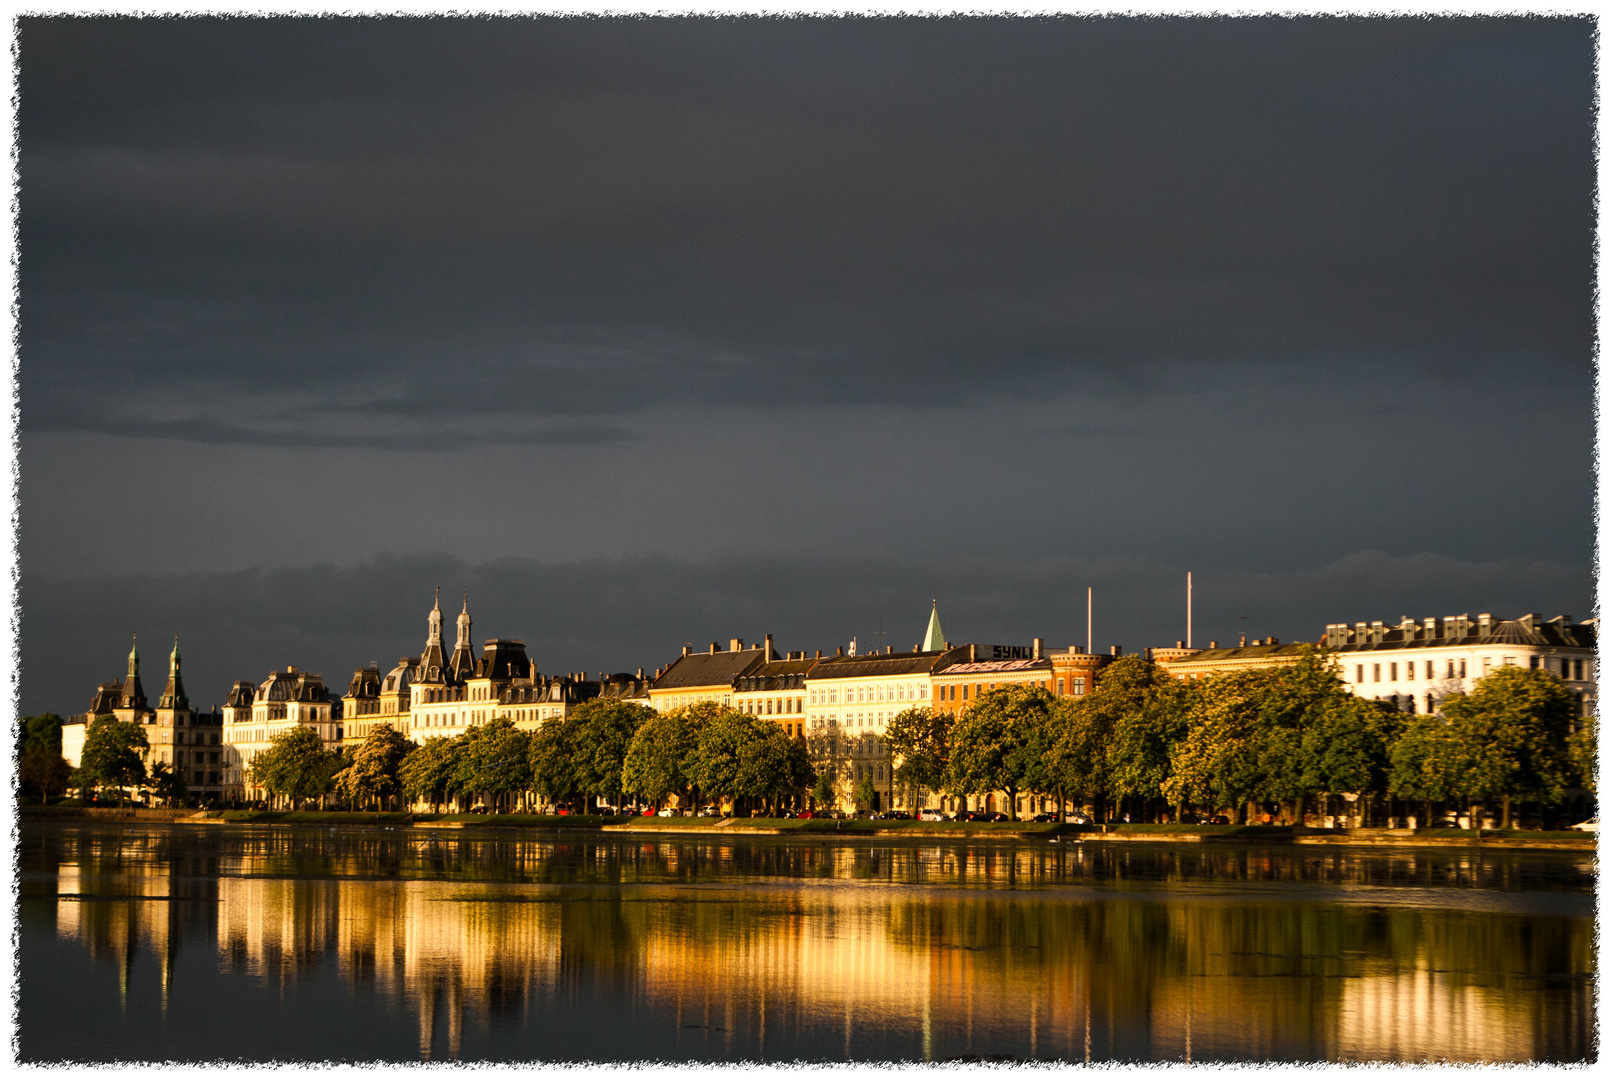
(603, 751)
(1143, 741)
(113, 760)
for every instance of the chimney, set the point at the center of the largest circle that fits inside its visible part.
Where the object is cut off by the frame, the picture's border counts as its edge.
(1243, 641)
(1118, 650)
(1213, 644)
(1179, 644)
(735, 644)
(818, 654)
(1272, 641)
(1484, 625)
(972, 653)
(769, 653)
(1039, 647)
(715, 647)
(687, 649)
(841, 650)
(640, 673)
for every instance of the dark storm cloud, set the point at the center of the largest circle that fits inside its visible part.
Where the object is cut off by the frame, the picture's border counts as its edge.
(620, 614)
(394, 232)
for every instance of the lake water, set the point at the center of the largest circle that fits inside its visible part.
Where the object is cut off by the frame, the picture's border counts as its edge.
(274, 943)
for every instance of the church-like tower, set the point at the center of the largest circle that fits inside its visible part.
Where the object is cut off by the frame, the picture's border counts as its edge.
(173, 695)
(133, 692)
(462, 666)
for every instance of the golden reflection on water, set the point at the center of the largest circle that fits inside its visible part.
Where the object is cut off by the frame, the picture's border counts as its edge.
(847, 940)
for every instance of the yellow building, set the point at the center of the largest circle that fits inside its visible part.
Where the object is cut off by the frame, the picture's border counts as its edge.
(285, 700)
(706, 676)
(776, 690)
(1259, 653)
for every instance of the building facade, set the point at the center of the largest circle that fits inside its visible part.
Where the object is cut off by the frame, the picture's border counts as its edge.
(695, 677)
(1414, 664)
(776, 690)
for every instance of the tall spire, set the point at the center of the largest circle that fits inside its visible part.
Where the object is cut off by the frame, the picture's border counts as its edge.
(934, 640)
(134, 658)
(435, 637)
(133, 692)
(462, 665)
(173, 695)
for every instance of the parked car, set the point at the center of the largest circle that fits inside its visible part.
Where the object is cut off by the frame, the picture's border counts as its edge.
(1218, 819)
(1590, 825)
(668, 812)
(708, 811)
(1076, 818)
(1043, 817)
(805, 815)
(896, 815)
(932, 815)
(650, 812)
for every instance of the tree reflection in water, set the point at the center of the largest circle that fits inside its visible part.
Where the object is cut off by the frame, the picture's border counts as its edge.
(568, 946)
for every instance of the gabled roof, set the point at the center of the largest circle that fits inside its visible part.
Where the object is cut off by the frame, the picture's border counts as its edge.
(709, 669)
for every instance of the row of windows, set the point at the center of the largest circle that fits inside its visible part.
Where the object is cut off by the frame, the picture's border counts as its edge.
(872, 693)
(1457, 669)
(772, 706)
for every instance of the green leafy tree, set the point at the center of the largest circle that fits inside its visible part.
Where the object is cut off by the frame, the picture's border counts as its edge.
(426, 773)
(717, 764)
(1428, 762)
(43, 773)
(296, 766)
(994, 743)
(866, 793)
(1515, 726)
(822, 791)
(42, 732)
(1244, 733)
(918, 739)
(375, 769)
(1584, 747)
(167, 784)
(655, 764)
(113, 755)
(772, 766)
(492, 760)
(603, 734)
(552, 756)
(1346, 745)
(1123, 730)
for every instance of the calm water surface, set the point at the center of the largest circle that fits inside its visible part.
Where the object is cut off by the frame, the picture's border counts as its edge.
(274, 943)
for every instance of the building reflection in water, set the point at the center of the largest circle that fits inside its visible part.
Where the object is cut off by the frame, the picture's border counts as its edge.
(739, 951)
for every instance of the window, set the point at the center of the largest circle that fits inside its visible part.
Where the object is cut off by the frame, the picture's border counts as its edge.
(1486, 664)
(1409, 674)
(1377, 672)
(1532, 662)
(1393, 670)
(1060, 684)
(1579, 673)
(964, 691)
(1078, 685)
(1461, 668)
(1509, 661)
(1360, 677)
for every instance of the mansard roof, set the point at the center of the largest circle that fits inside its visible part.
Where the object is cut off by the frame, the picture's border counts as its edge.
(880, 665)
(292, 685)
(1461, 630)
(776, 675)
(502, 659)
(365, 683)
(241, 694)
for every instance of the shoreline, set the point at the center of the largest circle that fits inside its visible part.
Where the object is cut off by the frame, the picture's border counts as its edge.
(819, 828)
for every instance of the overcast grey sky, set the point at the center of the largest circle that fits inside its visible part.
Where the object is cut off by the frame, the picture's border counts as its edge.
(652, 331)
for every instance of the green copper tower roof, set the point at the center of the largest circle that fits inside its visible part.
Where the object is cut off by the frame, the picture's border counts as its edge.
(934, 640)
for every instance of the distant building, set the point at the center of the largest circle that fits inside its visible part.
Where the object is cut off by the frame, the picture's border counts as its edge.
(190, 743)
(437, 705)
(1269, 652)
(705, 676)
(775, 689)
(977, 671)
(1073, 670)
(286, 699)
(1415, 664)
(360, 706)
(849, 701)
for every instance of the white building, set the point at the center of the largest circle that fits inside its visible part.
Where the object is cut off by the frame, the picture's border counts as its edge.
(1416, 664)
